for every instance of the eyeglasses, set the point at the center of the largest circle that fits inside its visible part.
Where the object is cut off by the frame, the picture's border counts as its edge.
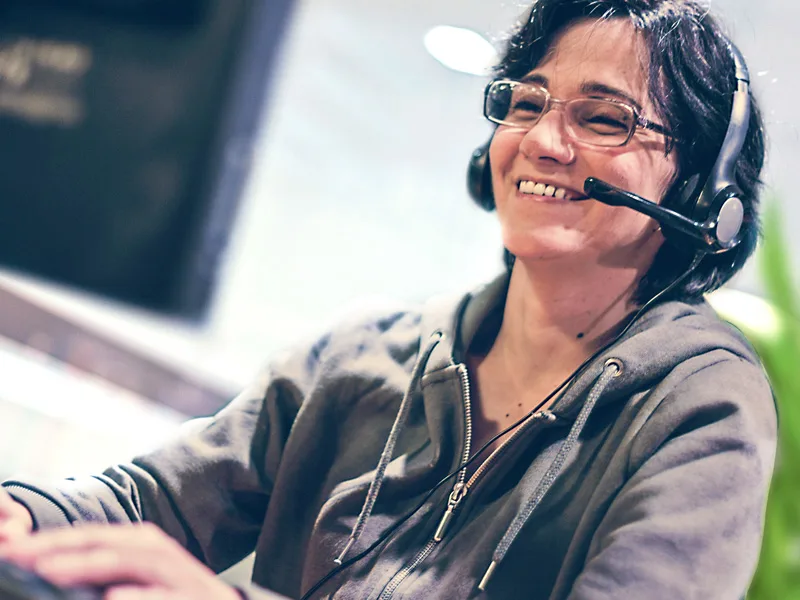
(597, 121)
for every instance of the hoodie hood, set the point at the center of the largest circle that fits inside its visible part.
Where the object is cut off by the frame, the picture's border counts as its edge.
(663, 336)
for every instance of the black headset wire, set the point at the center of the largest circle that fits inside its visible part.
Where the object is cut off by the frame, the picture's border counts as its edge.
(698, 256)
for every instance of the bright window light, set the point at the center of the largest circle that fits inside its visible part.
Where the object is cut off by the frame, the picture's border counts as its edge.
(746, 310)
(461, 49)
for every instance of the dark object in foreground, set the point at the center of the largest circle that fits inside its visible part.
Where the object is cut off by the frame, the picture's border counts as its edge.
(19, 584)
(132, 123)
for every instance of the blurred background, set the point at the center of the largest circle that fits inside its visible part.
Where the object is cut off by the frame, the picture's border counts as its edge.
(233, 176)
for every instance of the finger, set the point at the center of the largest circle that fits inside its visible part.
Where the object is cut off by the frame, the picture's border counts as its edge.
(11, 530)
(101, 567)
(140, 554)
(72, 539)
(99, 556)
(14, 514)
(27, 551)
(133, 592)
(166, 568)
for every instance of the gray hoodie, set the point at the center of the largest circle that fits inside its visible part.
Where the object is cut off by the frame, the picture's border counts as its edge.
(647, 478)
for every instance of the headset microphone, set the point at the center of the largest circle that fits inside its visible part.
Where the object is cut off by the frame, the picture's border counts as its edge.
(718, 233)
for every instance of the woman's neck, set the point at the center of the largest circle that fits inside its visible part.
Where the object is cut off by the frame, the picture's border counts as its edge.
(555, 318)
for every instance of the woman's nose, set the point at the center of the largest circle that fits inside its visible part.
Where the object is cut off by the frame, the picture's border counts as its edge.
(548, 139)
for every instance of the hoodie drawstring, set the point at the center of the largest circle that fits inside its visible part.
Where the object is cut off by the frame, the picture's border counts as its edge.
(611, 369)
(388, 449)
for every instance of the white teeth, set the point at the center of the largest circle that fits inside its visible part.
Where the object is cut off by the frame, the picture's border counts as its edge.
(526, 187)
(541, 189)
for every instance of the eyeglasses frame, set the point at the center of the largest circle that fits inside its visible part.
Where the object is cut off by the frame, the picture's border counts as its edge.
(550, 102)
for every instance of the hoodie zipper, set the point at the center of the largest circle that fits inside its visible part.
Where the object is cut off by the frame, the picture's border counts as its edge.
(458, 494)
(461, 486)
(398, 578)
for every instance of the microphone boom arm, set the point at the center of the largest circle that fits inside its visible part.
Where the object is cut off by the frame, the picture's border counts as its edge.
(668, 219)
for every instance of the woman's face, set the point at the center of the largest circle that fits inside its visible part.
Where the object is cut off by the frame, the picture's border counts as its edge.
(597, 59)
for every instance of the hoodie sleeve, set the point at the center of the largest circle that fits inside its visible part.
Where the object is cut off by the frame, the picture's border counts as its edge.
(688, 523)
(208, 488)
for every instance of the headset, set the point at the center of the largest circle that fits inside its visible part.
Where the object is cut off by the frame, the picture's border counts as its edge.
(709, 218)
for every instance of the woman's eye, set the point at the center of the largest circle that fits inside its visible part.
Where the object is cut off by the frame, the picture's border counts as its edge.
(604, 124)
(605, 120)
(527, 106)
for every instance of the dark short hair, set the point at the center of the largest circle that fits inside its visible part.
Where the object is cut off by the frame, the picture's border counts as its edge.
(691, 83)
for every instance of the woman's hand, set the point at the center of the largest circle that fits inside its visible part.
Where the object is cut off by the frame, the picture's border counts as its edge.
(15, 520)
(127, 561)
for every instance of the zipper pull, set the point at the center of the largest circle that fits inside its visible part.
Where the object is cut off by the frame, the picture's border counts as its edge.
(544, 415)
(458, 493)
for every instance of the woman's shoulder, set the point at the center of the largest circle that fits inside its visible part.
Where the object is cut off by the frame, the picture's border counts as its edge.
(685, 363)
(675, 332)
(710, 383)
(375, 333)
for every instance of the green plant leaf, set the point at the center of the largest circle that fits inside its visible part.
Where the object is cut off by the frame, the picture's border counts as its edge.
(778, 573)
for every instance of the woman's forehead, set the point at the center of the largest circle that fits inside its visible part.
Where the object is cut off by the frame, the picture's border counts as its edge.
(607, 53)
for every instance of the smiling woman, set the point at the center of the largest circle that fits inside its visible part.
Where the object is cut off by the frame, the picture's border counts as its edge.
(601, 63)
(583, 427)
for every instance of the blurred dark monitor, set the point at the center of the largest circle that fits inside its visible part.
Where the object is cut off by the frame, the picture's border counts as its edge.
(126, 129)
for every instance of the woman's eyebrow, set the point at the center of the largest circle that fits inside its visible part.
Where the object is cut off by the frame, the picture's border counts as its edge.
(535, 78)
(589, 87)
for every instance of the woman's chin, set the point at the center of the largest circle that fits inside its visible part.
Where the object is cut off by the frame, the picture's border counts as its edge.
(542, 247)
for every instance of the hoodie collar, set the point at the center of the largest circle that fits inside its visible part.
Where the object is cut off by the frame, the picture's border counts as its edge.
(648, 351)
(457, 319)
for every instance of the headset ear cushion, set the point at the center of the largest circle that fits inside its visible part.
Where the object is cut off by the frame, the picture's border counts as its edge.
(479, 178)
(684, 198)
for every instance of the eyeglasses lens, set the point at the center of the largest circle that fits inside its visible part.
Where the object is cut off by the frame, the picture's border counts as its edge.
(589, 120)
